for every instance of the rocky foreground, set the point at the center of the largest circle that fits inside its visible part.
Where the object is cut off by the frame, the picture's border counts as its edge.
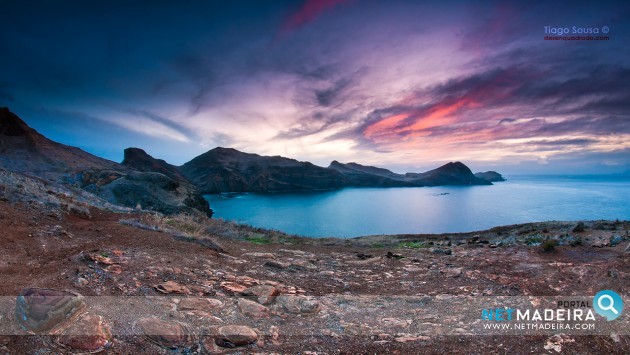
(127, 282)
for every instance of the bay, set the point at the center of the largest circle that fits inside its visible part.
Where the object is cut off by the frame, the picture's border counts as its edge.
(353, 212)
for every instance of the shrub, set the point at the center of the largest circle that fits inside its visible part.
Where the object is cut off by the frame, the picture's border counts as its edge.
(549, 245)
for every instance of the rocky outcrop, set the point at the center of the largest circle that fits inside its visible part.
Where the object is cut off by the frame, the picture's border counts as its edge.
(24, 150)
(138, 159)
(153, 191)
(368, 176)
(491, 176)
(450, 174)
(228, 170)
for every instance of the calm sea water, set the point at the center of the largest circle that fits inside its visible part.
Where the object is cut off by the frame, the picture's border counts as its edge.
(355, 212)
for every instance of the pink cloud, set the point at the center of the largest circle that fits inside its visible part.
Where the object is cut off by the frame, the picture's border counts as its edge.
(309, 11)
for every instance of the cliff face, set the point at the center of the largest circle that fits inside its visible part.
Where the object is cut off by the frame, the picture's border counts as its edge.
(24, 150)
(491, 176)
(138, 159)
(226, 169)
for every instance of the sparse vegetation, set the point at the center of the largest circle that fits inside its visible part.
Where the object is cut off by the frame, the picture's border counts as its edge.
(258, 239)
(533, 240)
(549, 245)
(413, 245)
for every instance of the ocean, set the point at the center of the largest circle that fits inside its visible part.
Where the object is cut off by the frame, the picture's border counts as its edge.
(353, 212)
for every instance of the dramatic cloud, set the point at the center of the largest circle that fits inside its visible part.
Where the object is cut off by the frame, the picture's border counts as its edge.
(395, 83)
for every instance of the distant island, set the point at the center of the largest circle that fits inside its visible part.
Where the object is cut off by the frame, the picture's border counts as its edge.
(143, 181)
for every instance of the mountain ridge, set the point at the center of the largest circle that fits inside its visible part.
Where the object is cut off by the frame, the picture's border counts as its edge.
(218, 170)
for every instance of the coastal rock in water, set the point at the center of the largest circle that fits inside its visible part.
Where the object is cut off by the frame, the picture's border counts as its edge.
(232, 336)
(88, 334)
(169, 334)
(491, 176)
(44, 310)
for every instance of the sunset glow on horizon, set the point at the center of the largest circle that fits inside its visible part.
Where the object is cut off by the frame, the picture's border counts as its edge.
(397, 84)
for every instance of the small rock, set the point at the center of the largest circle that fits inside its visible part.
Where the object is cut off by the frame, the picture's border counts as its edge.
(42, 310)
(80, 281)
(252, 309)
(169, 334)
(613, 273)
(395, 322)
(115, 269)
(88, 334)
(276, 265)
(391, 255)
(199, 304)
(296, 304)
(579, 227)
(452, 272)
(232, 287)
(172, 287)
(102, 259)
(555, 342)
(615, 240)
(231, 336)
(442, 251)
(259, 255)
(264, 294)
(364, 256)
(409, 339)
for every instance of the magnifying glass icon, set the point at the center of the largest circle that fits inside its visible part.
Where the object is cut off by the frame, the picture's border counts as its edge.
(610, 306)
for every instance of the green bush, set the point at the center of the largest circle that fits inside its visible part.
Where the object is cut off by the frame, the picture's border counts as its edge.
(549, 245)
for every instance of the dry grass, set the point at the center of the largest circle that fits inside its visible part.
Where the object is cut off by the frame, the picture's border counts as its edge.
(200, 229)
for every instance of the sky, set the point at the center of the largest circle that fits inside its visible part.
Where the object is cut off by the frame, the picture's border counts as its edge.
(407, 85)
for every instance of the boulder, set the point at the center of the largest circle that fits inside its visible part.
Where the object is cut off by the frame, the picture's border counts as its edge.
(172, 287)
(252, 309)
(42, 310)
(296, 304)
(263, 294)
(231, 336)
(579, 227)
(168, 334)
(88, 334)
